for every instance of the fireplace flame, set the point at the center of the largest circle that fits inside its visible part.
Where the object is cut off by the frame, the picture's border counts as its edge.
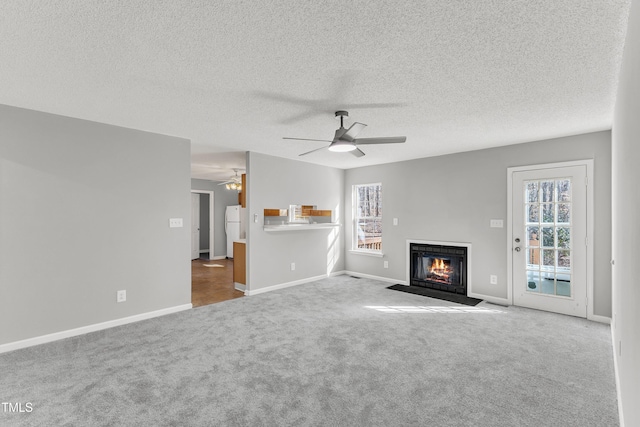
(440, 268)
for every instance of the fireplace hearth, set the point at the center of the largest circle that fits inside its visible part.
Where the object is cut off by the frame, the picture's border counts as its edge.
(437, 266)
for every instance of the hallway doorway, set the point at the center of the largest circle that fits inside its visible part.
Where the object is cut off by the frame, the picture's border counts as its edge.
(202, 223)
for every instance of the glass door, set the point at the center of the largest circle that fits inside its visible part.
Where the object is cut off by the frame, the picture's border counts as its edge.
(549, 239)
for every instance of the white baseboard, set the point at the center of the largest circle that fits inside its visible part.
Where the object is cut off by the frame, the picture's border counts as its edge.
(43, 339)
(240, 287)
(601, 319)
(380, 278)
(289, 284)
(284, 285)
(616, 374)
(324, 276)
(489, 298)
(217, 257)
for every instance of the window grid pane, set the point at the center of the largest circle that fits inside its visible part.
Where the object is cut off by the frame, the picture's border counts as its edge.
(547, 214)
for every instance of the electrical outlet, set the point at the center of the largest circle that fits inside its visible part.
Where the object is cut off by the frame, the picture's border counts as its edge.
(293, 266)
(121, 296)
(175, 222)
(493, 279)
(386, 264)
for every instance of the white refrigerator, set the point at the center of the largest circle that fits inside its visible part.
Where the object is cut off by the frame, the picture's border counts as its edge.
(232, 227)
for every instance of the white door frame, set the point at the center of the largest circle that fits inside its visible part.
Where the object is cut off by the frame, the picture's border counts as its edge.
(211, 217)
(195, 226)
(590, 226)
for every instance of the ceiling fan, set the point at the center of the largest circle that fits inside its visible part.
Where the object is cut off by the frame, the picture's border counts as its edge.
(234, 183)
(338, 86)
(345, 139)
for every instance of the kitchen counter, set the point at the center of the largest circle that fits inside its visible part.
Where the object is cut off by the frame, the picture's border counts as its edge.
(301, 226)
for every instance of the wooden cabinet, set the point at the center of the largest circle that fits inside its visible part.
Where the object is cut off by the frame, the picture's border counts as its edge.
(318, 212)
(275, 212)
(240, 263)
(306, 211)
(242, 195)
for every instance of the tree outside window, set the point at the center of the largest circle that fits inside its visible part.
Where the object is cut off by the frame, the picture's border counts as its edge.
(367, 217)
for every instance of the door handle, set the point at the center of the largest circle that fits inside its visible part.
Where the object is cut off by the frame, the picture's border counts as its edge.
(517, 249)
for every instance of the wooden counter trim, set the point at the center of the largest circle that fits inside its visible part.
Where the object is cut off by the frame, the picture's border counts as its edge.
(239, 263)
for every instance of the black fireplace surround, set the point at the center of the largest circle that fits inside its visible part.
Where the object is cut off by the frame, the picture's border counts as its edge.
(439, 267)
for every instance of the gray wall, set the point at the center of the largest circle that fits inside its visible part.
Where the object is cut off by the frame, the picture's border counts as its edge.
(626, 229)
(471, 189)
(84, 212)
(221, 199)
(276, 183)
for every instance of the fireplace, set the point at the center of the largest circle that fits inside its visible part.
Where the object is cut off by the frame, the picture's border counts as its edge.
(438, 266)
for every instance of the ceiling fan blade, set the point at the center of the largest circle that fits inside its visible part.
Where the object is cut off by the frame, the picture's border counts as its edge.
(376, 105)
(354, 130)
(381, 140)
(312, 151)
(305, 139)
(299, 117)
(357, 152)
(311, 107)
(285, 98)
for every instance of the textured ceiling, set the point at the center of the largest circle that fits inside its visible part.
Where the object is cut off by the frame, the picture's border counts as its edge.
(240, 75)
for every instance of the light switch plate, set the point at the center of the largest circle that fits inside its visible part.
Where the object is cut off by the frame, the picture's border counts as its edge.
(496, 223)
(175, 222)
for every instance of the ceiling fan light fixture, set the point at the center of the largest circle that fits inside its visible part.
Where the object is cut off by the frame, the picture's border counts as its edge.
(235, 183)
(342, 146)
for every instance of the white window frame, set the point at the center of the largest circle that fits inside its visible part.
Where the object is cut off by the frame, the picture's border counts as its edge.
(354, 223)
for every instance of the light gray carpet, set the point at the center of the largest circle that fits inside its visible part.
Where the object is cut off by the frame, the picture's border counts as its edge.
(328, 353)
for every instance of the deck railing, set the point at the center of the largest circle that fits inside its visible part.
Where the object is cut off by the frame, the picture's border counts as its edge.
(372, 243)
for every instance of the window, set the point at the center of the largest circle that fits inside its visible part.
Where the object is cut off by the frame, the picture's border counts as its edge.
(367, 218)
